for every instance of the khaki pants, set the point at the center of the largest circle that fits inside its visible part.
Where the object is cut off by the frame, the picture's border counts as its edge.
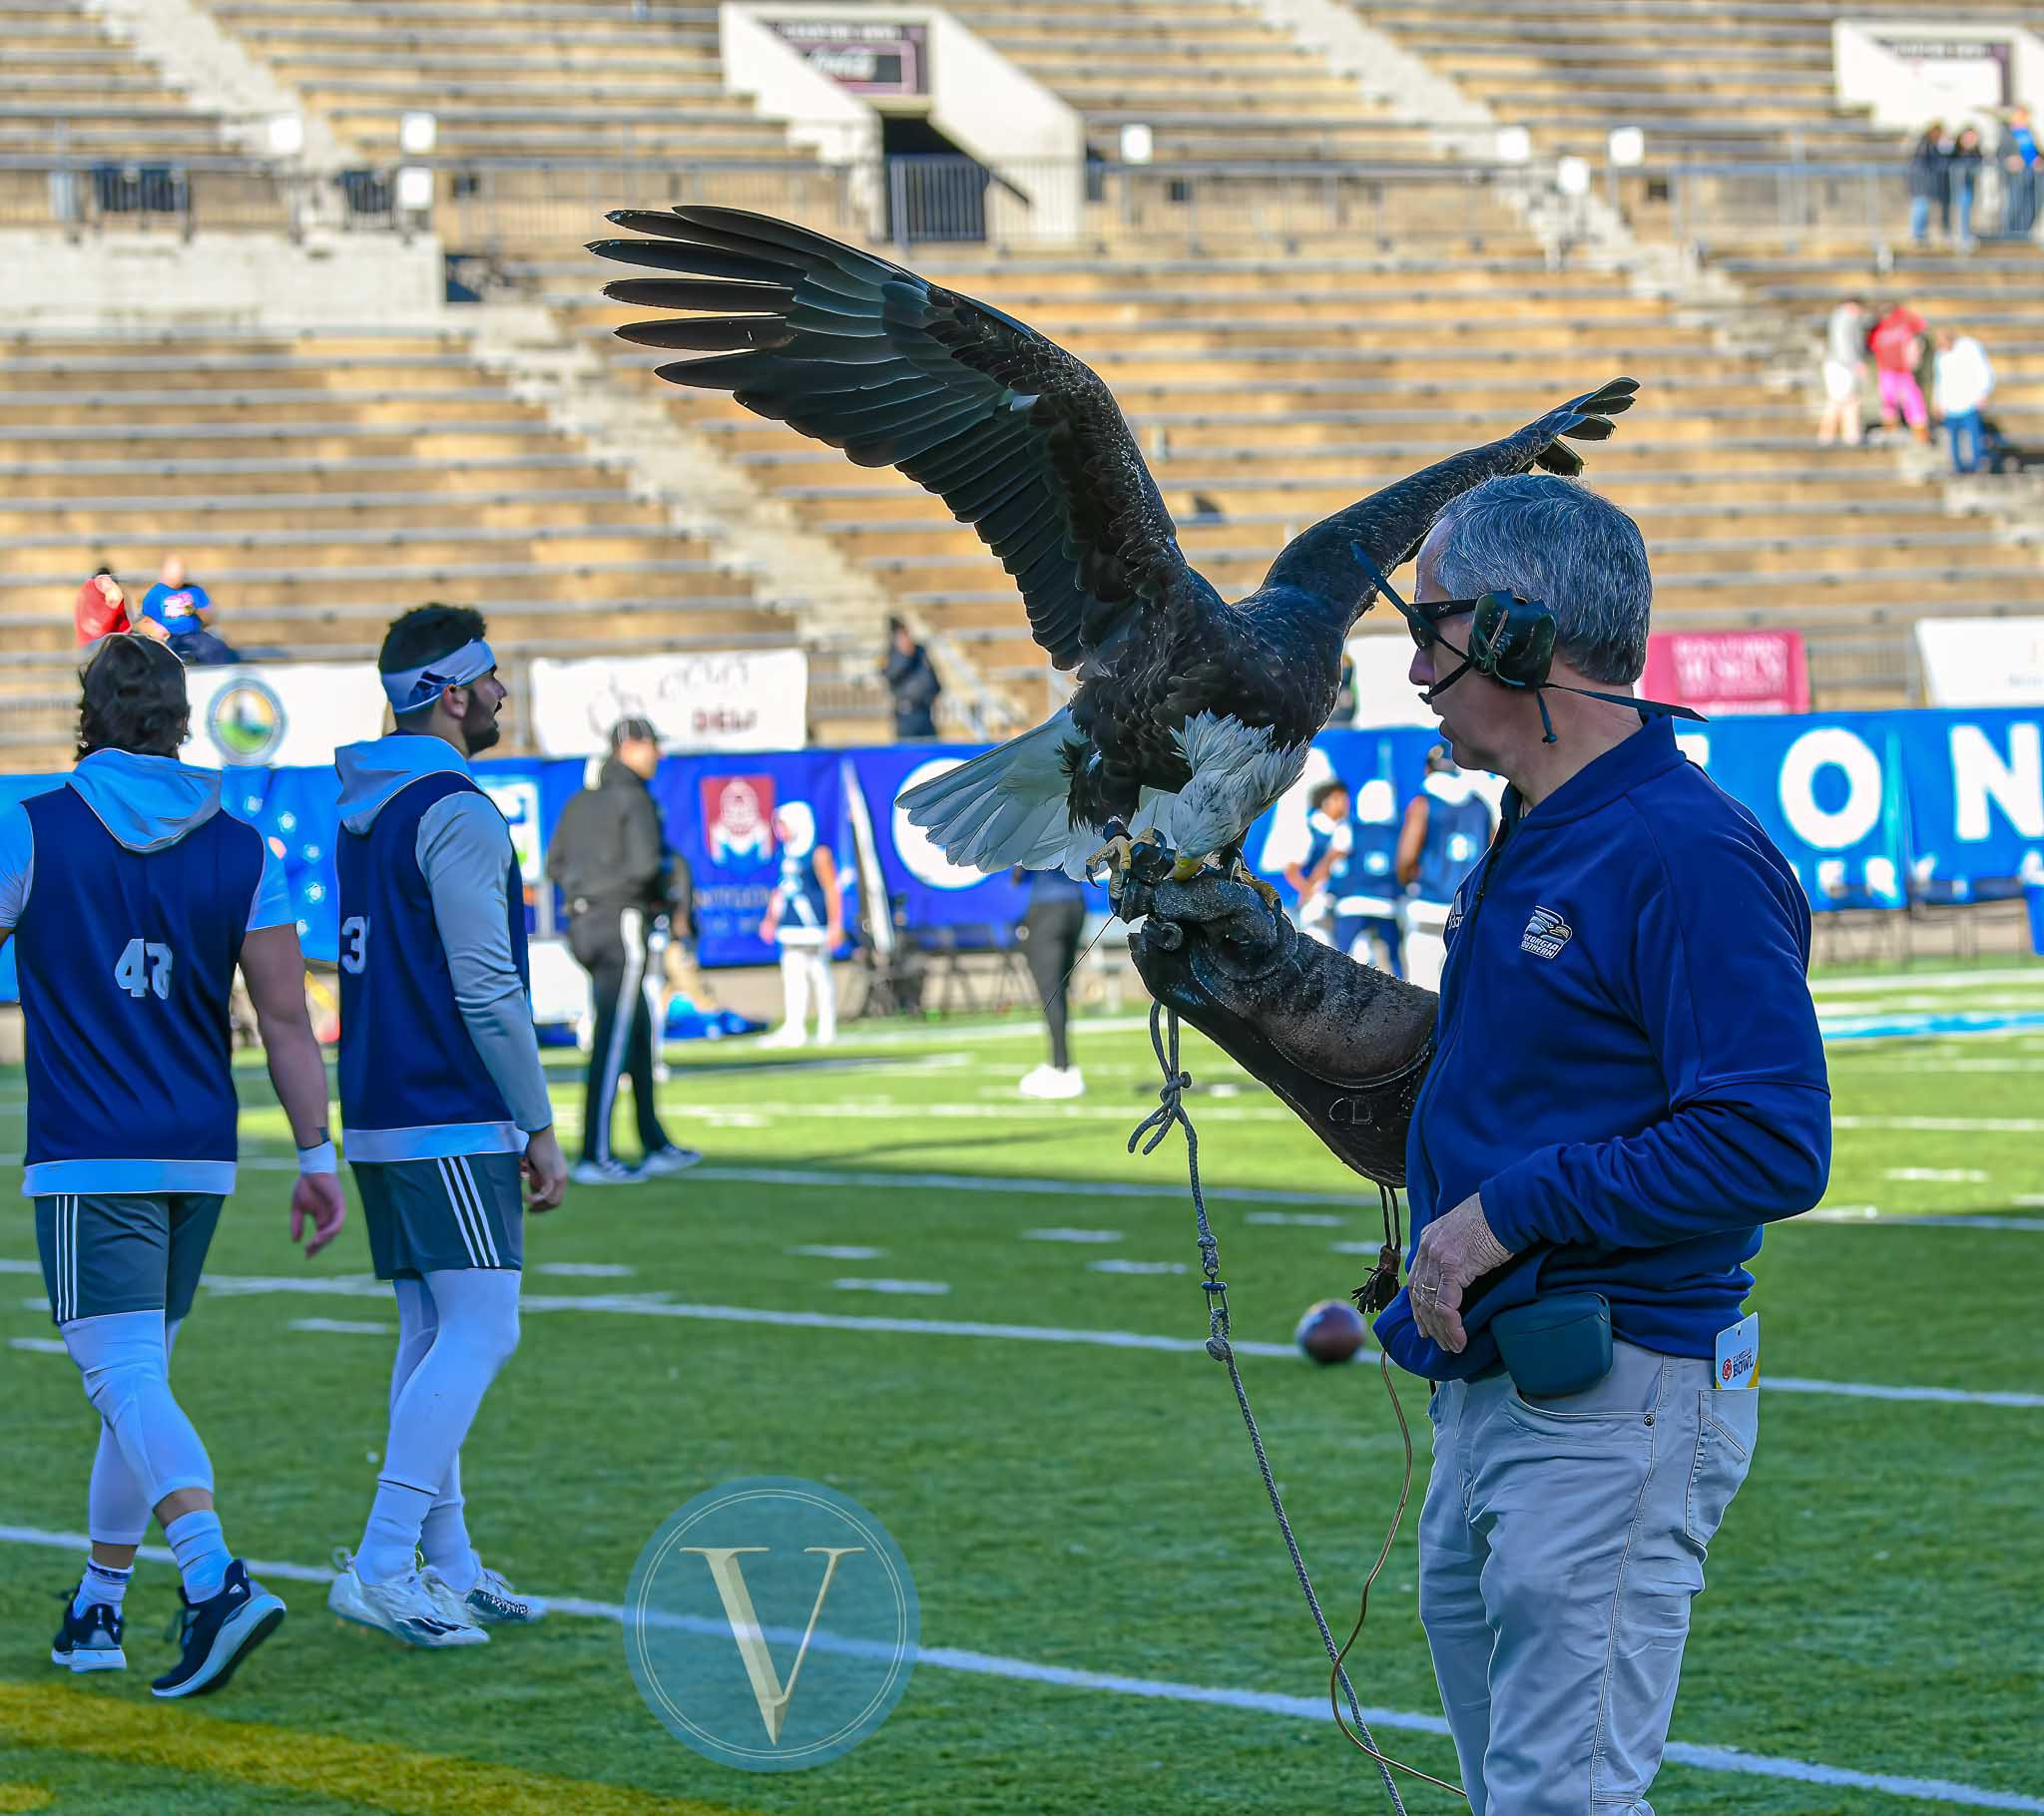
(1560, 1546)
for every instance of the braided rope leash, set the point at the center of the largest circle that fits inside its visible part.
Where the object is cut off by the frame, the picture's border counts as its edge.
(1156, 1125)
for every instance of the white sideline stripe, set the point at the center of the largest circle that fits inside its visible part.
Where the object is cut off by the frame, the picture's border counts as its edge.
(1060, 1234)
(1728, 1761)
(1938, 1176)
(43, 1347)
(929, 1289)
(1947, 1125)
(654, 1306)
(1115, 1265)
(351, 1327)
(588, 1271)
(835, 1251)
(980, 1182)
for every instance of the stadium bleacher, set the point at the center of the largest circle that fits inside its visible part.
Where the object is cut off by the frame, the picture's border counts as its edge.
(90, 130)
(1272, 367)
(544, 114)
(318, 484)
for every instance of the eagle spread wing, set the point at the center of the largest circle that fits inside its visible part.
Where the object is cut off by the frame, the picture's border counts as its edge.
(1019, 438)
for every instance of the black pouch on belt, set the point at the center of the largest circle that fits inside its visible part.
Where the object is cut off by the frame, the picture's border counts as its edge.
(1559, 1344)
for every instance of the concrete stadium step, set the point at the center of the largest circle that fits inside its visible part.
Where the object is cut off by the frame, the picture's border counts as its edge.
(243, 589)
(211, 548)
(290, 413)
(183, 476)
(422, 439)
(128, 517)
(281, 375)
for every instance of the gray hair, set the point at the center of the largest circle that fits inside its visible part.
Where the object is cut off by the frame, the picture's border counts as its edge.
(1558, 542)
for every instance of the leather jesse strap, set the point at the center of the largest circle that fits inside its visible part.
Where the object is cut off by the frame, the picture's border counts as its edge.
(1343, 1044)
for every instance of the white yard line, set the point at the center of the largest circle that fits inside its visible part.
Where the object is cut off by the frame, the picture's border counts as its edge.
(646, 1306)
(344, 1327)
(1725, 1760)
(926, 1290)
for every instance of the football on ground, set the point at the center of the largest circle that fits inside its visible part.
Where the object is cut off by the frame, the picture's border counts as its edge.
(1331, 1332)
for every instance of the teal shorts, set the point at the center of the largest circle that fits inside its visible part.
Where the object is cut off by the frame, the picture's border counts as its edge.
(104, 1252)
(433, 1217)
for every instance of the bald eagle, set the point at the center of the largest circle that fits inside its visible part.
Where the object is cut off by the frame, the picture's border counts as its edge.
(1191, 714)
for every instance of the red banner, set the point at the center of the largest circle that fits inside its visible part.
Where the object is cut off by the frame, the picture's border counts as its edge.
(1722, 673)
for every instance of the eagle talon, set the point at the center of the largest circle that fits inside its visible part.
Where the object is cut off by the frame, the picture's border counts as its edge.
(1143, 859)
(1115, 857)
(1239, 872)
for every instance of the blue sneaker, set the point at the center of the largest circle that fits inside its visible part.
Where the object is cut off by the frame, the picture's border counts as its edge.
(219, 1633)
(90, 1642)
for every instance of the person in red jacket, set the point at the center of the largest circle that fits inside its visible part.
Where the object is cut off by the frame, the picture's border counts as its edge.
(101, 610)
(1897, 347)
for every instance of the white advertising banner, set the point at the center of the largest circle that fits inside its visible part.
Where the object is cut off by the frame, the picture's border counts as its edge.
(283, 714)
(754, 700)
(1383, 696)
(1981, 662)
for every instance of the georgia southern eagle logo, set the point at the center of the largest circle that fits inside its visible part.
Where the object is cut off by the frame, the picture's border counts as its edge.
(1546, 934)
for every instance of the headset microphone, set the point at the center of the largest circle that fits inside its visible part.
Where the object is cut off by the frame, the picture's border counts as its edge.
(1511, 641)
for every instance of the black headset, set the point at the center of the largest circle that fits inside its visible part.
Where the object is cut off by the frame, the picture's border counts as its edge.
(1511, 641)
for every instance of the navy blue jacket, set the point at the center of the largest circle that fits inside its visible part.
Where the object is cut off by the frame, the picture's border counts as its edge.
(1628, 1063)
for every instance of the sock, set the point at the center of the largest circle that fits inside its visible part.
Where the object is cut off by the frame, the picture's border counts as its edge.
(202, 1553)
(391, 1537)
(101, 1586)
(445, 1538)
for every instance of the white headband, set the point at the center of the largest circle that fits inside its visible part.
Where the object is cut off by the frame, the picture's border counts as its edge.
(410, 688)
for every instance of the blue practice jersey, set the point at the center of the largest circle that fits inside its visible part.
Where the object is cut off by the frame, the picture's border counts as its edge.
(1458, 828)
(412, 1084)
(129, 894)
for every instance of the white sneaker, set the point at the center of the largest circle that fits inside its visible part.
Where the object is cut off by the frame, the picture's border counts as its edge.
(492, 1603)
(669, 1160)
(1049, 1083)
(403, 1608)
(785, 1035)
(602, 1172)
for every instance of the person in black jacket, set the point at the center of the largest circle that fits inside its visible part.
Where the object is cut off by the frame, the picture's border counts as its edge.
(912, 682)
(1930, 182)
(607, 855)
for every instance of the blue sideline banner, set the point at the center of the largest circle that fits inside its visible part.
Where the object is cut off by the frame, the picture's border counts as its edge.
(1863, 805)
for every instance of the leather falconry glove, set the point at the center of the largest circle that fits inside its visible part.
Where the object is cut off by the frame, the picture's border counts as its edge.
(1345, 1045)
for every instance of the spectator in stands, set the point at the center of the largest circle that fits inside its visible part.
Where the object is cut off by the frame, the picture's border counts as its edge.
(2018, 151)
(1929, 183)
(186, 613)
(912, 682)
(1966, 156)
(101, 610)
(1965, 382)
(1050, 931)
(1897, 347)
(1845, 373)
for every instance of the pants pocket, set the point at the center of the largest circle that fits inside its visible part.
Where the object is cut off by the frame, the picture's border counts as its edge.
(1727, 1425)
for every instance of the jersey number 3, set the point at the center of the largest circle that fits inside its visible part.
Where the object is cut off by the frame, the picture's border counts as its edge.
(145, 967)
(355, 943)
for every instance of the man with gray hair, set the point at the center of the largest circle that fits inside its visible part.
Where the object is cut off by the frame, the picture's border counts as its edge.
(1622, 1082)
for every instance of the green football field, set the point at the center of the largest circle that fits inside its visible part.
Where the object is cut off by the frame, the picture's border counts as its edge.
(896, 1277)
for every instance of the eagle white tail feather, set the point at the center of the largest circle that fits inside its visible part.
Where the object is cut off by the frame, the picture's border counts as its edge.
(1005, 807)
